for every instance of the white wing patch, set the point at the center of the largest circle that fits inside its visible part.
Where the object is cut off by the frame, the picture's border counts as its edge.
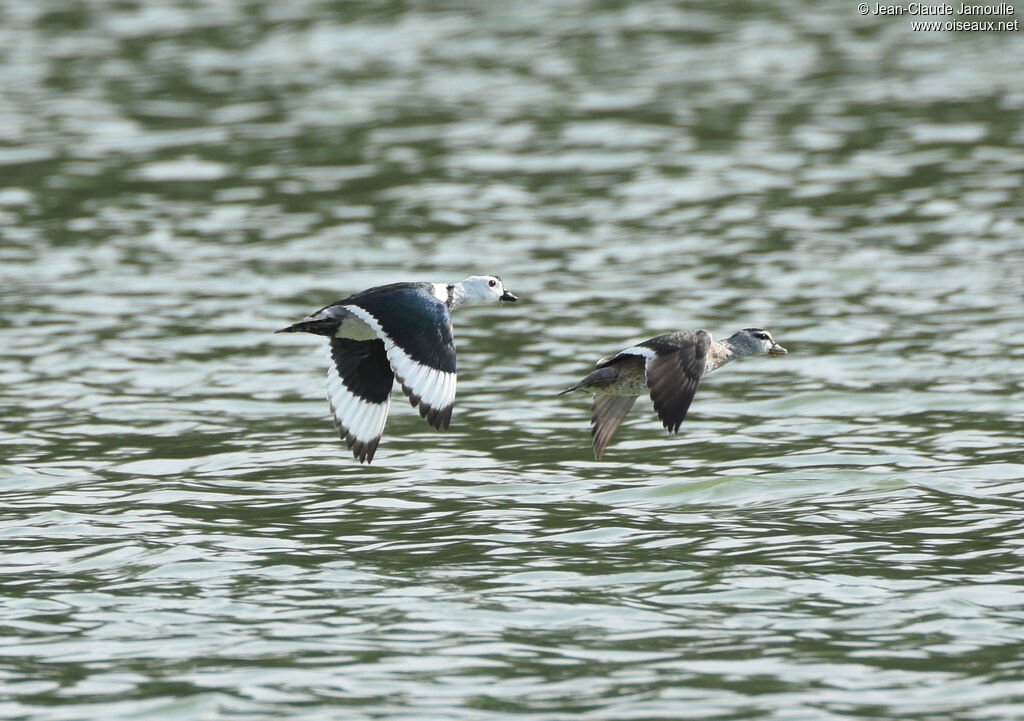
(360, 422)
(632, 350)
(646, 352)
(432, 389)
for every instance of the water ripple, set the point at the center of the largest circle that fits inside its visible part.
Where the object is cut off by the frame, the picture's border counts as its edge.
(834, 533)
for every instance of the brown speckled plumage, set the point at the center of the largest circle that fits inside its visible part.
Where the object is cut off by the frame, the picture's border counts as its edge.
(669, 367)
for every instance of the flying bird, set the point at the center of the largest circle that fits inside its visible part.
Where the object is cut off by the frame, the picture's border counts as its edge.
(669, 367)
(403, 331)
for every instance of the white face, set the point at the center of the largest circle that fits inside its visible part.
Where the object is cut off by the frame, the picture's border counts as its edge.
(763, 342)
(485, 289)
(755, 341)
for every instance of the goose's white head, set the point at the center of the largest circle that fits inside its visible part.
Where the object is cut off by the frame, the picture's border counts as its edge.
(755, 341)
(481, 290)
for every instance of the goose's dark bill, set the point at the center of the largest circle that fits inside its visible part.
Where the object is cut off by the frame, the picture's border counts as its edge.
(606, 416)
(674, 372)
(359, 381)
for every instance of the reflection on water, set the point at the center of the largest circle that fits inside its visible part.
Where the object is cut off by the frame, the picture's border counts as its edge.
(833, 533)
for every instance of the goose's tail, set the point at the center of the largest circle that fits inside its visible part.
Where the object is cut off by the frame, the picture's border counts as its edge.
(598, 377)
(325, 326)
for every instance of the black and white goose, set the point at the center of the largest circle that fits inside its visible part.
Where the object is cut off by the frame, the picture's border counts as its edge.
(669, 367)
(401, 330)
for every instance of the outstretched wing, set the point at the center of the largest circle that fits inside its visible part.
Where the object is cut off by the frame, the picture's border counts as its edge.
(359, 380)
(416, 330)
(606, 416)
(674, 372)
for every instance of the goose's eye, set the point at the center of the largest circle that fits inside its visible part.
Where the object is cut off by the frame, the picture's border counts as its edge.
(492, 283)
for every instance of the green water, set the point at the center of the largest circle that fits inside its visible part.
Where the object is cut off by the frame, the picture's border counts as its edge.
(835, 534)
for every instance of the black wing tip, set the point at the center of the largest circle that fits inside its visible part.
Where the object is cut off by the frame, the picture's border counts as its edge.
(439, 418)
(362, 451)
(672, 422)
(672, 427)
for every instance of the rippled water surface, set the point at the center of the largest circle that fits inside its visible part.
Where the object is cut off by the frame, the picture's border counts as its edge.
(837, 533)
